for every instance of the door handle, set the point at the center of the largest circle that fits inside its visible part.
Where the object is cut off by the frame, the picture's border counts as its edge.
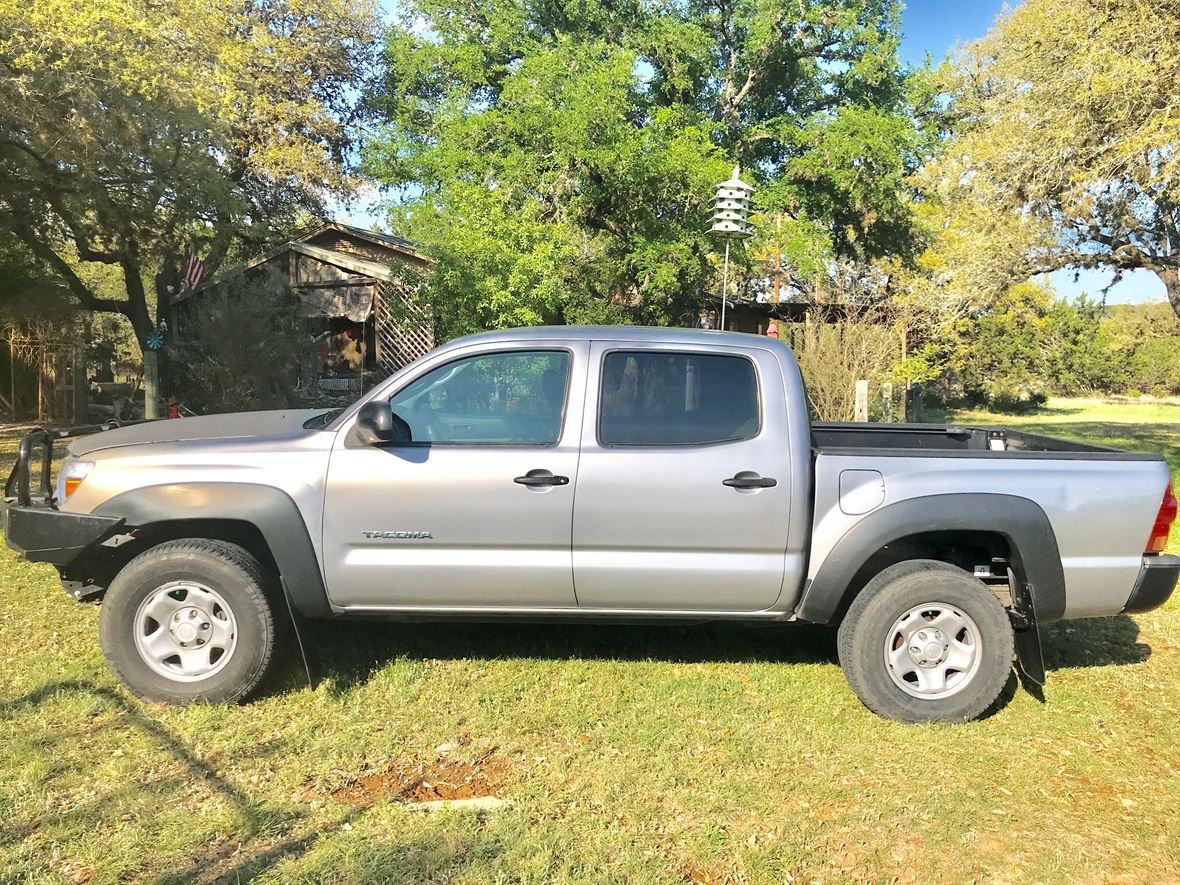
(748, 479)
(542, 478)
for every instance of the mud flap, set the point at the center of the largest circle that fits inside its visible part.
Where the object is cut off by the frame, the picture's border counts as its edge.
(1029, 658)
(300, 624)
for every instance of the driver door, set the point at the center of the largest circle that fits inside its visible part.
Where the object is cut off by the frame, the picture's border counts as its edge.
(477, 512)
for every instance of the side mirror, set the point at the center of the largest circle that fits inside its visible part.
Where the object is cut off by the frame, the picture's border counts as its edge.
(377, 424)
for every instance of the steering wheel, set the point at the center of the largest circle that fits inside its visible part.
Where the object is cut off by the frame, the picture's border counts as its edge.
(426, 418)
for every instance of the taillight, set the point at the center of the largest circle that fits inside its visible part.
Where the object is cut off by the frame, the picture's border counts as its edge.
(1163, 523)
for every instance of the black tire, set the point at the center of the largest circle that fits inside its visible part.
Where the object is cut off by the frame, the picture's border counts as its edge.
(227, 570)
(865, 637)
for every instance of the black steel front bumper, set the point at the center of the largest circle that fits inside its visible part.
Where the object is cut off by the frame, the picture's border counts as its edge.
(33, 526)
(1156, 581)
(39, 533)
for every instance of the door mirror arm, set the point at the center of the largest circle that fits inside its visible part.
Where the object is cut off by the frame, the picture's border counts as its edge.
(377, 424)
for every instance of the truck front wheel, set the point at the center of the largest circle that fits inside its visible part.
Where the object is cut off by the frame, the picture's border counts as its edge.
(926, 642)
(189, 621)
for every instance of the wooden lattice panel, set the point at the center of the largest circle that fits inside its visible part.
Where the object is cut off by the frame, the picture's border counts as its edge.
(403, 326)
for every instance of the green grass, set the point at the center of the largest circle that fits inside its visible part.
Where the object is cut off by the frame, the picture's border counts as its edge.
(707, 754)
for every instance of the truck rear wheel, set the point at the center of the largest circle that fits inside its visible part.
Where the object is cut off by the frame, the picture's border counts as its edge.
(926, 642)
(189, 621)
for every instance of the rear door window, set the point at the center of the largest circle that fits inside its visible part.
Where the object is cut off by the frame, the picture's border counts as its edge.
(658, 398)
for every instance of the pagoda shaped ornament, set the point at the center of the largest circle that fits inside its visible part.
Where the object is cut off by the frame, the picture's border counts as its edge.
(731, 221)
(731, 208)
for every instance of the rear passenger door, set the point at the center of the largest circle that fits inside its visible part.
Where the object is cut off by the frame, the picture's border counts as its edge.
(683, 490)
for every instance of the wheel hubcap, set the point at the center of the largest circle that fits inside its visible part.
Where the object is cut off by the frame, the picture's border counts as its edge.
(185, 631)
(933, 651)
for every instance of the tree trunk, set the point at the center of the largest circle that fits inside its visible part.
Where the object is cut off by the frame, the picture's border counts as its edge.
(141, 322)
(1170, 277)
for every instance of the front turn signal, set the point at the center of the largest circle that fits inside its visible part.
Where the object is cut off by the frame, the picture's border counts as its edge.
(72, 474)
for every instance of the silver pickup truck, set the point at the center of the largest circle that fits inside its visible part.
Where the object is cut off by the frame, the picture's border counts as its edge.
(613, 474)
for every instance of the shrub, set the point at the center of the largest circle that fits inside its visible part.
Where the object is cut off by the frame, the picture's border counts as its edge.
(243, 347)
(833, 356)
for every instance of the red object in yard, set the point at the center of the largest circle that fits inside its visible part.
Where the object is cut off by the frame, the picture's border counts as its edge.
(173, 407)
(1158, 539)
(772, 329)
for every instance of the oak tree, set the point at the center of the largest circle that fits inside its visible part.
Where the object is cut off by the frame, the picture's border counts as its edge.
(1066, 122)
(134, 131)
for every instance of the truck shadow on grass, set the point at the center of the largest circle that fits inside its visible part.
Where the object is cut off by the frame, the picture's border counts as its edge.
(1093, 642)
(258, 838)
(347, 653)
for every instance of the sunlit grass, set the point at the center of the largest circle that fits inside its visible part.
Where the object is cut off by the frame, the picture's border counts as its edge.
(641, 754)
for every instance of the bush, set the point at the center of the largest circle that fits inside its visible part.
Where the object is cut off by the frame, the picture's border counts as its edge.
(833, 356)
(1018, 404)
(1155, 366)
(243, 347)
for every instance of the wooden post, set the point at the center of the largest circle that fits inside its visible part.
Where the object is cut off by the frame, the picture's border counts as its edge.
(151, 383)
(887, 402)
(861, 405)
(41, 387)
(905, 391)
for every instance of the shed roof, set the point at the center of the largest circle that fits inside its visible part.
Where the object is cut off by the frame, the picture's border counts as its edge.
(345, 260)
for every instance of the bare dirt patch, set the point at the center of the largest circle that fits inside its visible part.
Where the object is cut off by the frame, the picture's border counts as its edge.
(443, 779)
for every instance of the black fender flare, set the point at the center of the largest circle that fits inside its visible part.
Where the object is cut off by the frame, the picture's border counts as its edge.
(1034, 555)
(270, 510)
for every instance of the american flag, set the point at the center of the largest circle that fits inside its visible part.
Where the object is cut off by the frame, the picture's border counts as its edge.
(194, 271)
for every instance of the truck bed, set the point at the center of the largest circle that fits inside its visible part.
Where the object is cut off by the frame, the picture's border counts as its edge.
(945, 439)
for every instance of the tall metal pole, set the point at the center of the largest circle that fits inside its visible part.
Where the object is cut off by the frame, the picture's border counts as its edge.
(724, 285)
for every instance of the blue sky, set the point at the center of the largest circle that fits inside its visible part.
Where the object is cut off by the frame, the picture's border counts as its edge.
(934, 27)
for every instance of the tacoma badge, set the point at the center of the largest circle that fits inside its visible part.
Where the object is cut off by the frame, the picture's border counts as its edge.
(416, 535)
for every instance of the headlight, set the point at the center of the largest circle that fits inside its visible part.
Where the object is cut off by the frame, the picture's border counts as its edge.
(70, 476)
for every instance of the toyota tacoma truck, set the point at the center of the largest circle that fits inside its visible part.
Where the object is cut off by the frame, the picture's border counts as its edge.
(609, 474)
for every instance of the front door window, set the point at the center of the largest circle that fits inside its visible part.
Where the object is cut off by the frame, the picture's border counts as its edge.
(515, 398)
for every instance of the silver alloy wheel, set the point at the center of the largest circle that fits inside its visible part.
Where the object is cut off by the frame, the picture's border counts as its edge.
(185, 631)
(933, 651)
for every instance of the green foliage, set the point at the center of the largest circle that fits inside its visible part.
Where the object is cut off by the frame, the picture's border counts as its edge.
(26, 293)
(1028, 344)
(1000, 354)
(1082, 355)
(243, 347)
(559, 161)
(1155, 366)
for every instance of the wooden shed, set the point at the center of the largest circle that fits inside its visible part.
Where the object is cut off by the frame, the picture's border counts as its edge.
(355, 287)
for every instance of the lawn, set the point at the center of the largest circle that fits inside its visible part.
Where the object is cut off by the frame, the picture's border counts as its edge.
(708, 754)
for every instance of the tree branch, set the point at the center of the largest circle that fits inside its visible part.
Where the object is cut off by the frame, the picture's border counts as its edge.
(77, 287)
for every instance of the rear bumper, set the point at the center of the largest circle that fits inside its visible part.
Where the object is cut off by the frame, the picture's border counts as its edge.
(42, 534)
(1156, 581)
